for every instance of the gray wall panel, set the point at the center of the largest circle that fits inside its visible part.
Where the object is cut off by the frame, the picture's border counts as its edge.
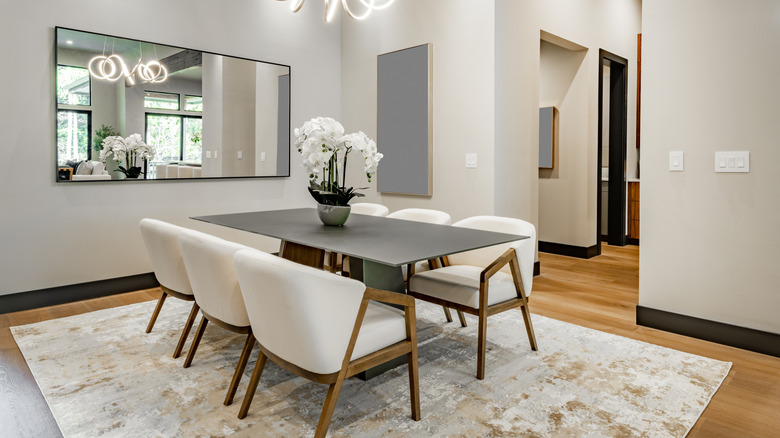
(403, 121)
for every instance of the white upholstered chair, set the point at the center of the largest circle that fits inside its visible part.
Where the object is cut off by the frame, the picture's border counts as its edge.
(209, 262)
(430, 217)
(162, 245)
(369, 209)
(185, 171)
(322, 326)
(484, 281)
(172, 171)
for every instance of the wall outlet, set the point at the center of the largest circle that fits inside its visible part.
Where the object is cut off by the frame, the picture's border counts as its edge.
(732, 162)
(676, 161)
(262, 156)
(471, 161)
(240, 155)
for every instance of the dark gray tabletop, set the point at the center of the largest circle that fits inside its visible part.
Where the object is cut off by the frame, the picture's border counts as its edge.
(383, 240)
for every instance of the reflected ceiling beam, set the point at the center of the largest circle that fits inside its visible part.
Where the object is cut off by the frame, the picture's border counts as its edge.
(183, 60)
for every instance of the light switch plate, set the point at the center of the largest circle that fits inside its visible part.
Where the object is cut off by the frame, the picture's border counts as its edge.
(471, 161)
(216, 154)
(208, 154)
(676, 161)
(240, 155)
(732, 162)
(262, 156)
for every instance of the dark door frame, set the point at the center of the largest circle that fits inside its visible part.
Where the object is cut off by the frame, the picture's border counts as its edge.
(618, 128)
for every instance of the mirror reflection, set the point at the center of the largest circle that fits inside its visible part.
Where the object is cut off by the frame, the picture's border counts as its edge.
(129, 109)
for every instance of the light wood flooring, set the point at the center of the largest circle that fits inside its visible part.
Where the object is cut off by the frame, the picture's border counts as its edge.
(600, 293)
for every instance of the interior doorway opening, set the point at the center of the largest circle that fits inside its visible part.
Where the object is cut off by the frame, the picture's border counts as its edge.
(612, 139)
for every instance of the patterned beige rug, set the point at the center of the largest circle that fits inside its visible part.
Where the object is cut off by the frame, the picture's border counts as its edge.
(103, 377)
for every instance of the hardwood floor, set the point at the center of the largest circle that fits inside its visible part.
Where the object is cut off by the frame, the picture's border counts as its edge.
(600, 293)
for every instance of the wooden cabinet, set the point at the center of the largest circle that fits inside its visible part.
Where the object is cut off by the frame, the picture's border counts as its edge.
(633, 212)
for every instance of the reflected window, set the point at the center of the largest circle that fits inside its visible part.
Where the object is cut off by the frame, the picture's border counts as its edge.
(164, 133)
(193, 139)
(157, 100)
(73, 86)
(73, 139)
(193, 103)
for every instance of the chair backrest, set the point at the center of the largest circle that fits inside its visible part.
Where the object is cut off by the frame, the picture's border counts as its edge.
(162, 244)
(484, 256)
(369, 209)
(301, 314)
(172, 171)
(185, 171)
(160, 171)
(422, 215)
(209, 262)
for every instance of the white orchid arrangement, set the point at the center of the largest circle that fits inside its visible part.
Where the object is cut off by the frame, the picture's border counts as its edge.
(324, 146)
(128, 150)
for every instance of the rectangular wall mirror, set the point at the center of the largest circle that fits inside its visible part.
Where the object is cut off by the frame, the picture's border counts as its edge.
(203, 115)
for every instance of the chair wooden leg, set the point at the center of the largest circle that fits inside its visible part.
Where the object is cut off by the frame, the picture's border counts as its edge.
(481, 344)
(329, 406)
(462, 319)
(186, 331)
(529, 326)
(447, 313)
(156, 312)
(250, 342)
(250, 390)
(196, 341)
(414, 383)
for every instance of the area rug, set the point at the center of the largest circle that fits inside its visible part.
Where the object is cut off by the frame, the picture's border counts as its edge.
(103, 377)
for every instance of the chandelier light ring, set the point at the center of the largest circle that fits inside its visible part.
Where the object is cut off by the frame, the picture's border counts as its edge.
(113, 67)
(152, 71)
(104, 67)
(376, 5)
(369, 4)
(332, 5)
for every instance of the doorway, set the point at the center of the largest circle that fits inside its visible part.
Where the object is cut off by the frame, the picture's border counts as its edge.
(612, 130)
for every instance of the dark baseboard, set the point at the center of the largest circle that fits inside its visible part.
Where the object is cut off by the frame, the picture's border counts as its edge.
(537, 268)
(75, 292)
(727, 334)
(569, 250)
(632, 241)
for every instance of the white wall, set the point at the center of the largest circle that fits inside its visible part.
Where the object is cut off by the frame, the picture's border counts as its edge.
(563, 193)
(709, 83)
(239, 80)
(463, 109)
(596, 24)
(58, 234)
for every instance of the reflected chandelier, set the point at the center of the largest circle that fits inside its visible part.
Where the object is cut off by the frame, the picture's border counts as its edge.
(367, 6)
(113, 67)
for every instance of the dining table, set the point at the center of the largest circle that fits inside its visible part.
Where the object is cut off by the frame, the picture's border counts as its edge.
(377, 247)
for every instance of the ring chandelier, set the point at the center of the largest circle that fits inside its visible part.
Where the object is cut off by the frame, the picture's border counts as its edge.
(363, 11)
(113, 67)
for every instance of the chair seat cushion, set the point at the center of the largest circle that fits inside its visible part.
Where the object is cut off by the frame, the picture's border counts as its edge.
(382, 327)
(460, 284)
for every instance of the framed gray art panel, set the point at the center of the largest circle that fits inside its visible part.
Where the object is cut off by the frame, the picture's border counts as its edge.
(405, 121)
